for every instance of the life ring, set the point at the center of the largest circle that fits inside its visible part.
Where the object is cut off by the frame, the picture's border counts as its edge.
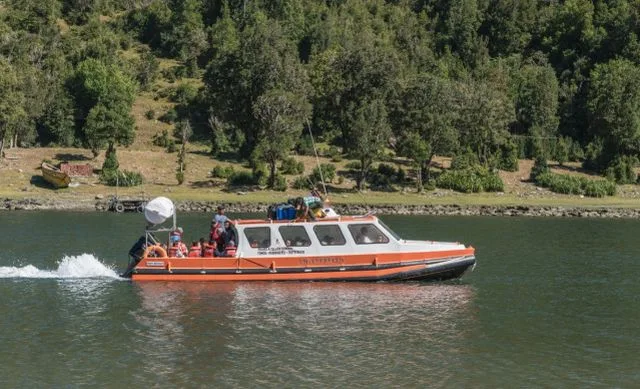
(119, 207)
(160, 252)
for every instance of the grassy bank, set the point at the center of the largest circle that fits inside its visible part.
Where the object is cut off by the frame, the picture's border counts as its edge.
(20, 177)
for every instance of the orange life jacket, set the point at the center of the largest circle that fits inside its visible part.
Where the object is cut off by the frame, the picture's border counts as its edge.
(172, 252)
(209, 250)
(194, 252)
(230, 250)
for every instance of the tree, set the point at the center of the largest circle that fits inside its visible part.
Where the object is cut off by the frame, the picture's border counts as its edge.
(11, 102)
(370, 133)
(485, 115)
(237, 76)
(424, 122)
(106, 95)
(536, 101)
(281, 115)
(614, 108)
(184, 129)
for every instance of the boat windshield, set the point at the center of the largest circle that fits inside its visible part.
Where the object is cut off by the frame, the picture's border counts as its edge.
(389, 230)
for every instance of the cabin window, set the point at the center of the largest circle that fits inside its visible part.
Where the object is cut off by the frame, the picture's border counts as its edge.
(329, 235)
(367, 234)
(258, 237)
(295, 236)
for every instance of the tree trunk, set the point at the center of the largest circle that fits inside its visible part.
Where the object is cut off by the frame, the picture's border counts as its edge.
(419, 186)
(1, 146)
(362, 176)
(272, 173)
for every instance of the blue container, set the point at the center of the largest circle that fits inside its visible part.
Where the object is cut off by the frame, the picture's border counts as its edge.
(291, 212)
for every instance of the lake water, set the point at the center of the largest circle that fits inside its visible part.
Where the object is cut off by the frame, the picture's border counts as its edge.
(552, 303)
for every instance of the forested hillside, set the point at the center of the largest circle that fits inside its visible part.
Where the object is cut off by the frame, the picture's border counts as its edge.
(487, 81)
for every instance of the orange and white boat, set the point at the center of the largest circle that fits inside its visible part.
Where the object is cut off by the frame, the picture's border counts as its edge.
(339, 248)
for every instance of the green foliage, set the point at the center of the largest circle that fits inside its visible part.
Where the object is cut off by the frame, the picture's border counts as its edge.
(110, 163)
(291, 166)
(508, 159)
(280, 183)
(328, 173)
(169, 117)
(539, 167)
(561, 152)
(220, 171)
(464, 161)
(150, 114)
(304, 145)
(622, 170)
(301, 182)
(471, 180)
(569, 184)
(121, 178)
(242, 178)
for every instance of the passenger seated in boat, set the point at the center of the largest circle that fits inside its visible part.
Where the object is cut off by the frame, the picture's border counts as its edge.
(177, 249)
(209, 249)
(195, 250)
(230, 249)
(364, 236)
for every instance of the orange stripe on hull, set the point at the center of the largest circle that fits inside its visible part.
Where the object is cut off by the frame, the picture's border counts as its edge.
(309, 276)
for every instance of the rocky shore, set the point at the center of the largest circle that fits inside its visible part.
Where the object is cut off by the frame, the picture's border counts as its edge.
(351, 209)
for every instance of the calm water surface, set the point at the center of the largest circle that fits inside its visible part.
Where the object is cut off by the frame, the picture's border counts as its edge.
(552, 303)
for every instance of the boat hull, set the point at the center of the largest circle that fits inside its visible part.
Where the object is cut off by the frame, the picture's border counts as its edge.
(453, 265)
(54, 176)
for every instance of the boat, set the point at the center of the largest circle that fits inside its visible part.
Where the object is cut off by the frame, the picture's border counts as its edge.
(337, 248)
(55, 176)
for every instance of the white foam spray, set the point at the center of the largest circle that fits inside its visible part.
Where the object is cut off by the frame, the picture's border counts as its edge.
(81, 266)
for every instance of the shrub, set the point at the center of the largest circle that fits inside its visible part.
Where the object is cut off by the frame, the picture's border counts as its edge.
(241, 178)
(162, 139)
(508, 157)
(301, 182)
(566, 184)
(353, 165)
(219, 171)
(121, 178)
(594, 156)
(335, 154)
(464, 161)
(576, 153)
(328, 173)
(280, 183)
(599, 188)
(471, 180)
(539, 167)
(561, 151)
(291, 166)
(305, 146)
(169, 117)
(180, 177)
(150, 114)
(621, 170)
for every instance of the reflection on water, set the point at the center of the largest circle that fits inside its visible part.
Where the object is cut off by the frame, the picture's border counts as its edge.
(283, 333)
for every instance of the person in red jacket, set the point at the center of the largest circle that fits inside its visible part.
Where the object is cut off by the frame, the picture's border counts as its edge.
(195, 250)
(209, 249)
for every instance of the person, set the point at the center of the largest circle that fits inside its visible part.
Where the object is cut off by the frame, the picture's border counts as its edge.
(202, 243)
(209, 249)
(177, 249)
(230, 249)
(364, 236)
(195, 250)
(217, 223)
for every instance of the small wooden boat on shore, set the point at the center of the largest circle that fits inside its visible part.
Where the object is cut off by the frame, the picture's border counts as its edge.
(341, 248)
(54, 176)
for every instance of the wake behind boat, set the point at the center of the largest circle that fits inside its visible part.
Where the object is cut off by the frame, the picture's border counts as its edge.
(329, 248)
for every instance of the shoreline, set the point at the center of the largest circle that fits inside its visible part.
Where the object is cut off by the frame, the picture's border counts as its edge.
(101, 205)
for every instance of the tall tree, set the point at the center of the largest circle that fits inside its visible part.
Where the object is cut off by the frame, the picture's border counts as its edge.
(281, 115)
(236, 76)
(106, 95)
(424, 122)
(485, 116)
(370, 132)
(11, 102)
(614, 108)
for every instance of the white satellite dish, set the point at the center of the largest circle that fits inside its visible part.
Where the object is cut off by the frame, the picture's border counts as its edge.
(158, 210)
